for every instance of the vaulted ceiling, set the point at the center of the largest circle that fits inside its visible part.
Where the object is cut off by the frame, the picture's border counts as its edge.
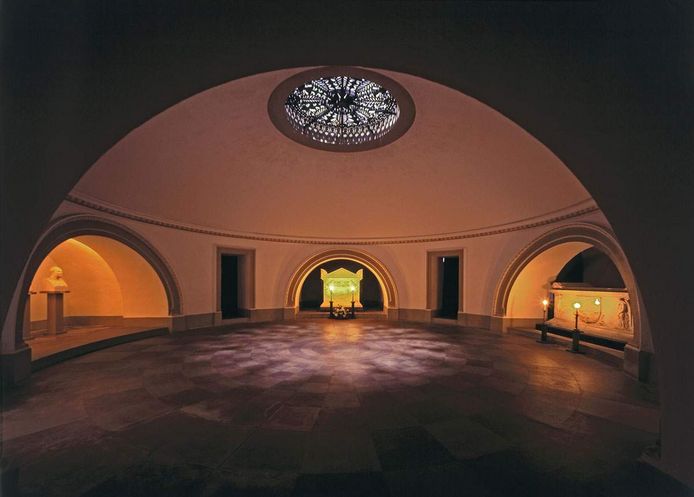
(216, 160)
(606, 87)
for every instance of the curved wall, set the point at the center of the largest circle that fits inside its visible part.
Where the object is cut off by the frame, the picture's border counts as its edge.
(533, 283)
(142, 292)
(192, 256)
(578, 77)
(94, 288)
(105, 278)
(242, 175)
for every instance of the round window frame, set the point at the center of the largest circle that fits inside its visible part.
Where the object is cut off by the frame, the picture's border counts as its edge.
(278, 114)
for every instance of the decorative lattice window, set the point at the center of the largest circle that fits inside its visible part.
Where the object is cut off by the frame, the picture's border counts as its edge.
(342, 110)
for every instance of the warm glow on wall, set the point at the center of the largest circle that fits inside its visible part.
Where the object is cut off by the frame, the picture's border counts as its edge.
(106, 279)
(94, 289)
(533, 283)
(142, 290)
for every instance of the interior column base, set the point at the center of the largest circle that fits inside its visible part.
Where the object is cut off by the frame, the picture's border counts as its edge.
(15, 366)
(639, 364)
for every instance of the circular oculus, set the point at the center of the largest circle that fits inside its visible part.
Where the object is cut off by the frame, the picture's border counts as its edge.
(341, 109)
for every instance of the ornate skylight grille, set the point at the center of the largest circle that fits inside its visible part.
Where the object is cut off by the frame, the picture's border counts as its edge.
(342, 110)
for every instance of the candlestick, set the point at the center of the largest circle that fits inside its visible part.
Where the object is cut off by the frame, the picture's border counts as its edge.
(575, 336)
(543, 329)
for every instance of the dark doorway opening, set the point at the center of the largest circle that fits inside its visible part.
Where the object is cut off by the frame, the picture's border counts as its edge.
(449, 285)
(230, 287)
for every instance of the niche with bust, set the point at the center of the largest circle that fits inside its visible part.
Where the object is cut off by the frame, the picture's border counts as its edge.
(110, 285)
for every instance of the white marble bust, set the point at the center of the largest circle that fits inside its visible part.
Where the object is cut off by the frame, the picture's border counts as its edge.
(55, 282)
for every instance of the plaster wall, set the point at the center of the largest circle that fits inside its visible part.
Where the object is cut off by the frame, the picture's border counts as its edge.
(248, 177)
(94, 289)
(193, 259)
(105, 278)
(143, 294)
(534, 281)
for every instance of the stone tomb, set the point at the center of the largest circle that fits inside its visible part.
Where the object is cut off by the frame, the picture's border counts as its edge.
(603, 312)
(341, 286)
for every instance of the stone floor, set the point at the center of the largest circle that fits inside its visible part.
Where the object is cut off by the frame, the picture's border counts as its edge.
(47, 345)
(309, 408)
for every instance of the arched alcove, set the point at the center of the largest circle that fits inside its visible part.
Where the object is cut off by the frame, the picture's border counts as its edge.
(533, 282)
(527, 279)
(94, 290)
(369, 296)
(111, 271)
(109, 284)
(376, 267)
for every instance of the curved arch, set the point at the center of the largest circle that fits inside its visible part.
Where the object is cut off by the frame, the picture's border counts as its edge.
(592, 234)
(72, 226)
(379, 270)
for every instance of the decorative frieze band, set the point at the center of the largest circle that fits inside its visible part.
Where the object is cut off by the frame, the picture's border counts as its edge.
(326, 241)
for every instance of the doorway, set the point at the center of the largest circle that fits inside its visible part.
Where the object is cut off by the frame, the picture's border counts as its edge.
(450, 288)
(230, 287)
(235, 282)
(445, 283)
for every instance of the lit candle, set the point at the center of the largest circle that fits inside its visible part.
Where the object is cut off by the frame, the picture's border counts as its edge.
(543, 330)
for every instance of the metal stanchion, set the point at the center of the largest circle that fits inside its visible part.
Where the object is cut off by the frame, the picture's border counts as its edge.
(576, 335)
(543, 328)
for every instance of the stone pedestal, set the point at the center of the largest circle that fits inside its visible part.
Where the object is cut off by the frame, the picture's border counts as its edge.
(54, 315)
(26, 325)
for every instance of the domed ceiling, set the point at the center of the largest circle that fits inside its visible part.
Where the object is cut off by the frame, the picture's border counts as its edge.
(216, 161)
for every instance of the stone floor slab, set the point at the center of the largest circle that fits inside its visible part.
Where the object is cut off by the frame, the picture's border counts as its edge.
(326, 408)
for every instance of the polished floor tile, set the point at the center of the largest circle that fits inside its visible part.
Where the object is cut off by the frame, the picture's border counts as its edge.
(332, 408)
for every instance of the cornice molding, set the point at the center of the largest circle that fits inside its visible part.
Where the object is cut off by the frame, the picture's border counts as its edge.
(577, 210)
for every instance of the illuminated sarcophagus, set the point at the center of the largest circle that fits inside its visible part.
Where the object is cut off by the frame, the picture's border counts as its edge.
(341, 286)
(602, 311)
